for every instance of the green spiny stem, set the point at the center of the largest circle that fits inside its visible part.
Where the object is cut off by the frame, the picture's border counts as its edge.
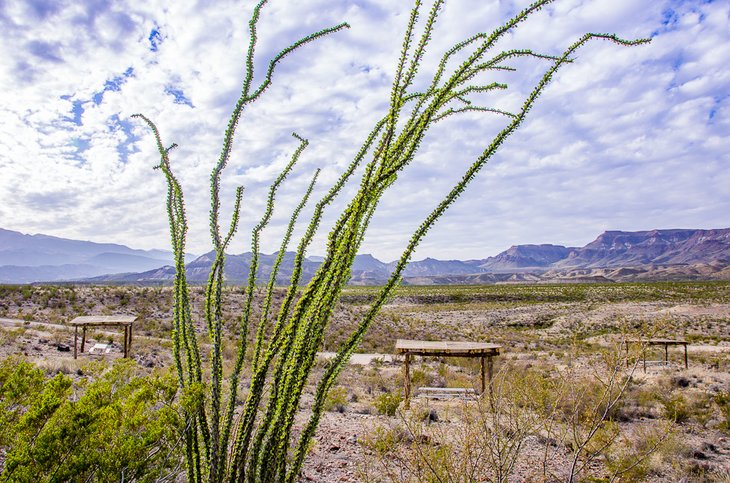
(315, 320)
(421, 48)
(234, 378)
(286, 340)
(275, 271)
(295, 380)
(215, 472)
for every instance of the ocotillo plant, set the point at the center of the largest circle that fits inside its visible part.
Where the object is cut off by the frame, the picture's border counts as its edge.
(255, 442)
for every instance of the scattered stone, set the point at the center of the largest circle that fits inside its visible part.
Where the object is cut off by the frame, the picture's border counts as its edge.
(710, 447)
(433, 416)
(63, 347)
(680, 381)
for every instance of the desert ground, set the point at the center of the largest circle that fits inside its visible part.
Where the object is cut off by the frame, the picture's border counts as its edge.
(567, 400)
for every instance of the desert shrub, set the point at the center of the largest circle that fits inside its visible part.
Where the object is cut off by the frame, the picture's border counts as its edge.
(634, 457)
(682, 408)
(383, 440)
(421, 378)
(639, 402)
(388, 402)
(723, 402)
(336, 400)
(116, 427)
(483, 442)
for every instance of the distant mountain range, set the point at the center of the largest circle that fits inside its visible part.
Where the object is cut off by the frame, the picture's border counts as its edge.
(613, 256)
(35, 258)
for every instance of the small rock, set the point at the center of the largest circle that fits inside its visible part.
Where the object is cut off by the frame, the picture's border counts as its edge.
(63, 347)
(699, 455)
(334, 448)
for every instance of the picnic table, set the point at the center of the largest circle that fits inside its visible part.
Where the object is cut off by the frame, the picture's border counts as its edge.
(105, 321)
(483, 350)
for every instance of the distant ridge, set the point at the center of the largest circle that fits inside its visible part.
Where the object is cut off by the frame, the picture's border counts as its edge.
(614, 256)
(674, 254)
(42, 258)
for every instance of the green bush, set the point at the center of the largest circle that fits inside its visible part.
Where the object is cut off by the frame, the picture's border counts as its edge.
(336, 400)
(115, 427)
(387, 403)
(675, 407)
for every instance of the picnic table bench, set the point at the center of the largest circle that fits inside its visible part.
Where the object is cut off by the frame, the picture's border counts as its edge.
(446, 392)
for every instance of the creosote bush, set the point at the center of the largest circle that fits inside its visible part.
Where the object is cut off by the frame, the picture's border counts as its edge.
(388, 402)
(256, 442)
(112, 425)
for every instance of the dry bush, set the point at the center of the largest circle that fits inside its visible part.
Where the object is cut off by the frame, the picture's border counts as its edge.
(569, 411)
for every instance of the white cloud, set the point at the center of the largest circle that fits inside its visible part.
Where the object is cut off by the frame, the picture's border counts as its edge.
(624, 138)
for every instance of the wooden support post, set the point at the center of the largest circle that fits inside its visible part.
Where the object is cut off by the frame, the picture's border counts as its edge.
(407, 377)
(686, 362)
(126, 338)
(76, 338)
(666, 354)
(643, 357)
(484, 373)
(83, 339)
(490, 370)
(129, 344)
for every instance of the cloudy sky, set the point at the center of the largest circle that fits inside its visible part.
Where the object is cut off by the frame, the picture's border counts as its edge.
(623, 139)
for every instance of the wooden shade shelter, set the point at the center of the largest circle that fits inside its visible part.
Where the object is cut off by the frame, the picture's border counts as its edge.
(483, 350)
(661, 342)
(105, 321)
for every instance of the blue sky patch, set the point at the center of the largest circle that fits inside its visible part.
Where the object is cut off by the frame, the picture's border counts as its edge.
(127, 146)
(77, 110)
(80, 144)
(155, 39)
(114, 84)
(178, 95)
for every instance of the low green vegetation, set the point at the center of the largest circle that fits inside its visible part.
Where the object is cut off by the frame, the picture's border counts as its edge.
(107, 424)
(434, 295)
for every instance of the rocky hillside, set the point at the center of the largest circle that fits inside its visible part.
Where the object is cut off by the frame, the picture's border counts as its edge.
(655, 247)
